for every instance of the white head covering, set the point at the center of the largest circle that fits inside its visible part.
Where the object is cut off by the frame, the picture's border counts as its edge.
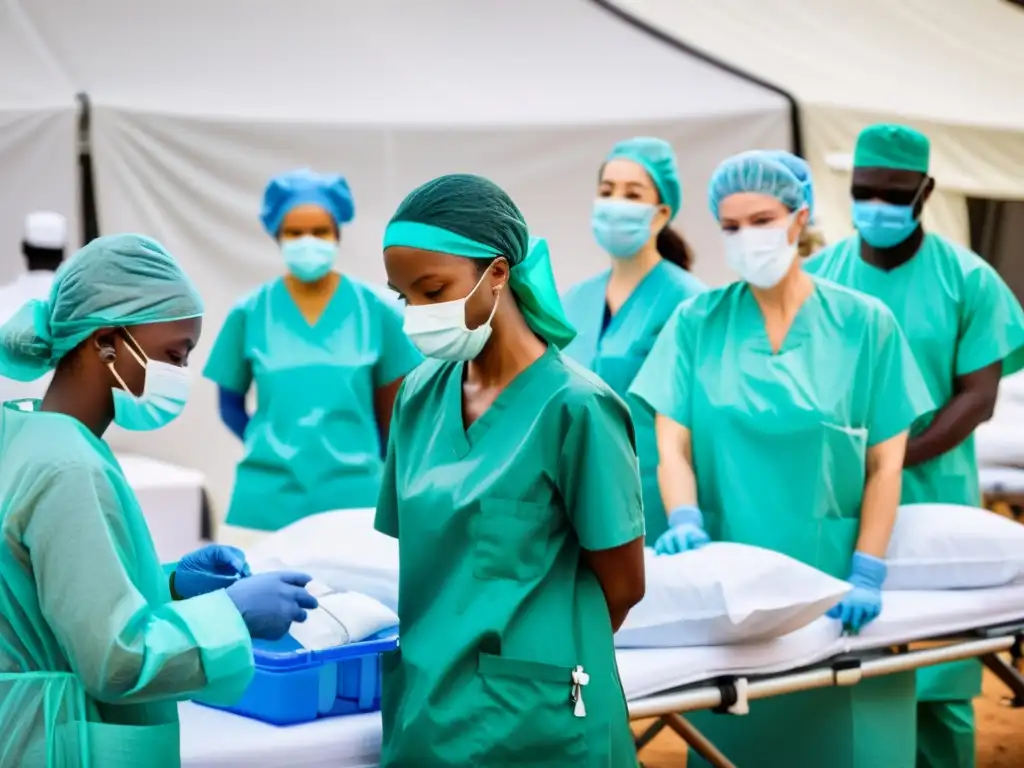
(46, 229)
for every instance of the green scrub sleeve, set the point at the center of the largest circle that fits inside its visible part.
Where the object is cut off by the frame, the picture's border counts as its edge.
(664, 380)
(386, 519)
(122, 648)
(991, 326)
(228, 367)
(397, 355)
(599, 476)
(898, 394)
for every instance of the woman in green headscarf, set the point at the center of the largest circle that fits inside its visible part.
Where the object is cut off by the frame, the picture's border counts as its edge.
(511, 484)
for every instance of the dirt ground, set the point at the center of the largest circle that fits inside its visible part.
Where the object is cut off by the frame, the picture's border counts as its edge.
(1000, 734)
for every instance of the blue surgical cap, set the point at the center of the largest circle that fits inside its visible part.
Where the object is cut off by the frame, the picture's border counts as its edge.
(802, 171)
(289, 190)
(657, 158)
(755, 171)
(118, 280)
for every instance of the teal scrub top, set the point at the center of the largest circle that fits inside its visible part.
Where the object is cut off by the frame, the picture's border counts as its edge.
(496, 602)
(780, 439)
(958, 316)
(615, 351)
(313, 444)
(94, 654)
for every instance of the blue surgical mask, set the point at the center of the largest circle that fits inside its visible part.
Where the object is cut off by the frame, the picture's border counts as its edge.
(163, 397)
(884, 225)
(622, 227)
(309, 258)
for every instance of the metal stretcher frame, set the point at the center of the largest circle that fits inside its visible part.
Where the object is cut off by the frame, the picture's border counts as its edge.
(731, 695)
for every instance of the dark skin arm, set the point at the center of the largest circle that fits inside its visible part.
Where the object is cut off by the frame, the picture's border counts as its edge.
(973, 402)
(620, 572)
(384, 406)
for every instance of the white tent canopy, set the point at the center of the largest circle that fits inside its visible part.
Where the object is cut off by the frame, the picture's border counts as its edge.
(197, 103)
(952, 68)
(38, 123)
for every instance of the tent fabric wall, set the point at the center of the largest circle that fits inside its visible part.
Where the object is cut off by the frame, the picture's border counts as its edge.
(38, 124)
(951, 68)
(190, 119)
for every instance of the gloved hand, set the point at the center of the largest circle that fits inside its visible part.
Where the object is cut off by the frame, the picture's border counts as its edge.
(208, 569)
(685, 532)
(861, 605)
(270, 602)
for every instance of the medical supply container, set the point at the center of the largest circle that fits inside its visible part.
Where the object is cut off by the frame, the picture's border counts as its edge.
(293, 685)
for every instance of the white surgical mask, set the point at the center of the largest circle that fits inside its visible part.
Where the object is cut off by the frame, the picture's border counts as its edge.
(761, 255)
(439, 330)
(163, 397)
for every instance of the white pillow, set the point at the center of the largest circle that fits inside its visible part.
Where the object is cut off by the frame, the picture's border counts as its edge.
(726, 593)
(948, 546)
(340, 549)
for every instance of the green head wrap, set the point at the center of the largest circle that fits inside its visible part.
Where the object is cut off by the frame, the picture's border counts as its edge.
(892, 146)
(469, 216)
(659, 160)
(114, 281)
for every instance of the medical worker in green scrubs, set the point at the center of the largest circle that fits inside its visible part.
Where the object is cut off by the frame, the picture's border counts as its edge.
(326, 353)
(97, 644)
(966, 330)
(511, 485)
(783, 404)
(619, 313)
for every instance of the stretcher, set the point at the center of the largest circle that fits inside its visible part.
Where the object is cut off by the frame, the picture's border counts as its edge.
(666, 682)
(1003, 490)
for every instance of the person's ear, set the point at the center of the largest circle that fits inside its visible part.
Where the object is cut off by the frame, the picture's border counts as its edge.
(105, 341)
(500, 272)
(929, 187)
(662, 217)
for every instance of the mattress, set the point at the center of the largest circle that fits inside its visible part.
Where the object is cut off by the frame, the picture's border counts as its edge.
(1002, 479)
(212, 739)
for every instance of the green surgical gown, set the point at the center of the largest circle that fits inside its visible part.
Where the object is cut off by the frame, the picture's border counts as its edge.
(313, 444)
(779, 453)
(959, 316)
(496, 602)
(94, 654)
(615, 347)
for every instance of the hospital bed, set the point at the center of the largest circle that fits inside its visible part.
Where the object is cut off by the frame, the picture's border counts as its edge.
(174, 503)
(665, 682)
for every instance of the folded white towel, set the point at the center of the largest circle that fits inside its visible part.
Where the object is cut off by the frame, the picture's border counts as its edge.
(342, 618)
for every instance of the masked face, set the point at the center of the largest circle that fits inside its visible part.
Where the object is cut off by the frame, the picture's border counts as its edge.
(309, 258)
(761, 255)
(440, 331)
(886, 204)
(164, 395)
(627, 211)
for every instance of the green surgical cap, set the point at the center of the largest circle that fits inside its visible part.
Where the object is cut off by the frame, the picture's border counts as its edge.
(892, 146)
(758, 171)
(657, 158)
(114, 281)
(470, 216)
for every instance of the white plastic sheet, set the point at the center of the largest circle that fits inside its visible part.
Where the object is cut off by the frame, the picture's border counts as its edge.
(948, 546)
(725, 594)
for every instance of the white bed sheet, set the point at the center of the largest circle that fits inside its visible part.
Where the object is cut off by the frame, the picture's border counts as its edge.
(212, 739)
(1005, 479)
(172, 502)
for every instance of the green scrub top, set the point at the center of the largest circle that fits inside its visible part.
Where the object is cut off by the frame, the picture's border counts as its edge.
(615, 348)
(88, 632)
(780, 439)
(313, 444)
(958, 316)
(496, 603)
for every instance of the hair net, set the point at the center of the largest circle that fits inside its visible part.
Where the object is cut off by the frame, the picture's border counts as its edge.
(659, 160)
(114, 281)
(802, 171)
(331, 192)
(471, 216)
(755, 171)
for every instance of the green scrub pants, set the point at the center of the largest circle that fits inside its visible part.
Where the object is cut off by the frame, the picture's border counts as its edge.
(945, 734)
(868, 725)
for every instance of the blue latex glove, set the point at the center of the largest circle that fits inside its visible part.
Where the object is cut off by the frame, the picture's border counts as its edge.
(208, 569)
(685, 532)
(270, 602)
(862, 605)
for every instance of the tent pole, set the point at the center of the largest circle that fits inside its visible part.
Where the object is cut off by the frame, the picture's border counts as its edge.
(86, 185)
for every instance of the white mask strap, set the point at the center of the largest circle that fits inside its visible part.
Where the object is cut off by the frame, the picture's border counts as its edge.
(139, 358)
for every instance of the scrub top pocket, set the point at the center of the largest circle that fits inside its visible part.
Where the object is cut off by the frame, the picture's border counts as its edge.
(511, 539)
(527, 712)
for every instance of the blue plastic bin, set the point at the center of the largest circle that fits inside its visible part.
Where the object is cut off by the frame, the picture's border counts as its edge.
(293, 685)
